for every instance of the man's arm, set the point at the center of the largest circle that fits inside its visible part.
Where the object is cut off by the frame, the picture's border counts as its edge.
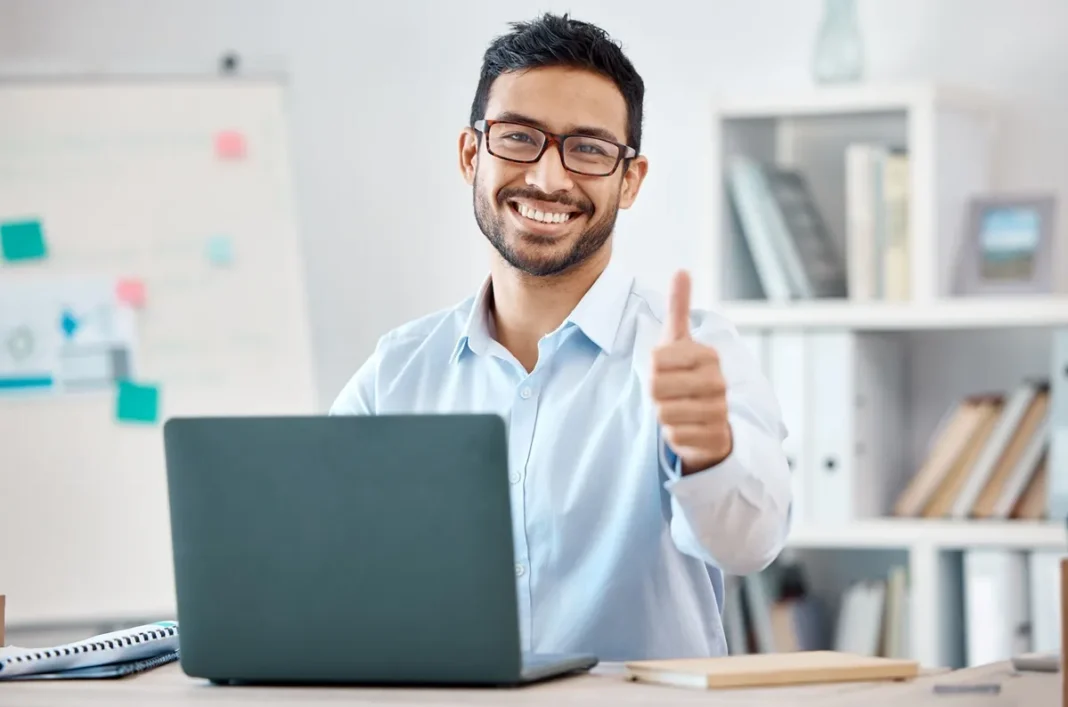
(720, 440)
(357, 397)
(735, 514)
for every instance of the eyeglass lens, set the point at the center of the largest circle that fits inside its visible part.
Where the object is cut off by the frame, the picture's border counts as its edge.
(522, 143)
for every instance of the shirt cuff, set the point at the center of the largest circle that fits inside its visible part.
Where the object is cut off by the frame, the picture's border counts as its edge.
(736, 472)
(671, 463)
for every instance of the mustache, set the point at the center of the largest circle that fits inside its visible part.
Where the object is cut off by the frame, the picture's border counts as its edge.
(532, 193)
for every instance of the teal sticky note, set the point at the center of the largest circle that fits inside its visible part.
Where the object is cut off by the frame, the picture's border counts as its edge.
(137, 402)
(22, 240)
(220, 250)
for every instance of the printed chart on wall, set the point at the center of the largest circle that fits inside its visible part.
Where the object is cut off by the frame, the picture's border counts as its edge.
(64, 335)
(150, 267)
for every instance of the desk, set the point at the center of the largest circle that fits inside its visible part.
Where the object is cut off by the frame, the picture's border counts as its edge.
(169, 687)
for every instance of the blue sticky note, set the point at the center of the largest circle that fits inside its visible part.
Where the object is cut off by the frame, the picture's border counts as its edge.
(220, 250)
(137, 402)
(22, 240)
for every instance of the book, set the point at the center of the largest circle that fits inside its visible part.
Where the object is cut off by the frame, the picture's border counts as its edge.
(767, 669)
(105, 655)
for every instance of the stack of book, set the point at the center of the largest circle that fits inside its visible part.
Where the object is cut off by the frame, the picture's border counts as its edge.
(794, 249)
(988, 459)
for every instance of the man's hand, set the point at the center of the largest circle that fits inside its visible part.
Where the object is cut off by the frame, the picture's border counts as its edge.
(688, 388)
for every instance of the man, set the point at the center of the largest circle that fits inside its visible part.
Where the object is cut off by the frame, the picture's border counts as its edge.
(645, 445)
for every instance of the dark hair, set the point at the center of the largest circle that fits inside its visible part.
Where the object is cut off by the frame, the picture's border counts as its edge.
(554, 40)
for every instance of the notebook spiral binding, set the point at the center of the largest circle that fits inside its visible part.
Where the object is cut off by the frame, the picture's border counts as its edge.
(91, 646)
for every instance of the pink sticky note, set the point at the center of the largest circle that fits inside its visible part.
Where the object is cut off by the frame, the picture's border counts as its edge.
(230, 144)
(131, 291)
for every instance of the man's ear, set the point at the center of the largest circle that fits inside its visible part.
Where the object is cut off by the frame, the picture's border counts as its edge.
(468, 154)
(632, 181)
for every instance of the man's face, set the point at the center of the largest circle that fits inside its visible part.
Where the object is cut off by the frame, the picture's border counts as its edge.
(540, 217)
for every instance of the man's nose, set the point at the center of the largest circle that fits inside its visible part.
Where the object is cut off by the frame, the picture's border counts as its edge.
(548, 173)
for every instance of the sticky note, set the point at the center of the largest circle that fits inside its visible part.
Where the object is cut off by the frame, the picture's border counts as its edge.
(136, 402)
(131, 292)
(22, 240)
(230, 144)
(220, 250)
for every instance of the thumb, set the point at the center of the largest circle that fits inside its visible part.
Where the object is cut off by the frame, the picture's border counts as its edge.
(677, 323)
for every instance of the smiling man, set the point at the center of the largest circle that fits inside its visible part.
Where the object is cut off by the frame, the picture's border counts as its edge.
(645, 444)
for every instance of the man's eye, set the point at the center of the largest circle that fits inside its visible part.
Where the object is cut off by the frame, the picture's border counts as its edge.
(592, 150)
(518, 137)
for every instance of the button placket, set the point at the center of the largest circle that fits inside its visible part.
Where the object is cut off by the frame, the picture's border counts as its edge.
(523, 418)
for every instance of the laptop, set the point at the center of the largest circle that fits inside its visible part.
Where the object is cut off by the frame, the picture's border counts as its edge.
(357, 550)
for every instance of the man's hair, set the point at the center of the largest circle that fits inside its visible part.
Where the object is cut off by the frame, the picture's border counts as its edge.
(554, 40)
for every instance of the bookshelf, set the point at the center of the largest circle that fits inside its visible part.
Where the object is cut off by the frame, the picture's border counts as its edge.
(908, 533)
(944, 315)
(949, 135)
(933, 347)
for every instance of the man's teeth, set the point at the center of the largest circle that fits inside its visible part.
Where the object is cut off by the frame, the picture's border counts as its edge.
(543, 216)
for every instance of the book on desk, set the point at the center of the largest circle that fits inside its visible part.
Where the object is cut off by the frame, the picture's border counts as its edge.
(767, 669)
(108, 655)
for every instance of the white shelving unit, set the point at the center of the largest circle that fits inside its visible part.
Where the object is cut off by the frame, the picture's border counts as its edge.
(905, 534)
(954, 345)
(949, 133)
(944, 315)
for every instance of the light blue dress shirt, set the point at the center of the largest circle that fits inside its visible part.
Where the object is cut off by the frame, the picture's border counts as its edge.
(616, 554)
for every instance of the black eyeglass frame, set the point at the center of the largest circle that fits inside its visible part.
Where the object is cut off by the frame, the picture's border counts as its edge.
(626, 152)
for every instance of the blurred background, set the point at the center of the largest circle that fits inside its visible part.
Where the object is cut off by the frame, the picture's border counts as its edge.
(218, 207)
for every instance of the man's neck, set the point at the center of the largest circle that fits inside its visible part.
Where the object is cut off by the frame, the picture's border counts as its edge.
(525, 308)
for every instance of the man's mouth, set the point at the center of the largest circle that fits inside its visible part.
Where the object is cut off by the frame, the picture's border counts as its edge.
(544, 214)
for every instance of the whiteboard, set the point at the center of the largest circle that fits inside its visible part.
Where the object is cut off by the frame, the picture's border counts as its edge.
(167, 216)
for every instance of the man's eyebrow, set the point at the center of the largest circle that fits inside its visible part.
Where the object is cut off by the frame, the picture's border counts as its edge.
(592, 131)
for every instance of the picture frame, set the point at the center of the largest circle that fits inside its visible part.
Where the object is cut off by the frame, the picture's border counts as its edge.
(1008, 245)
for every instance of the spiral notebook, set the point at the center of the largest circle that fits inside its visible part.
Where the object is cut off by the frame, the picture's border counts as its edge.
(111, 654)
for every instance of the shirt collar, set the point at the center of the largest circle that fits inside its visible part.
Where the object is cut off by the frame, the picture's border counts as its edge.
(476, 332)
(597, 315)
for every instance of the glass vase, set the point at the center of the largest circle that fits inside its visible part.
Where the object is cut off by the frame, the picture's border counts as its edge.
(838, 56)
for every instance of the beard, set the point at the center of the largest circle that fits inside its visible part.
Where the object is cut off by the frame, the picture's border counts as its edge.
(492, 224)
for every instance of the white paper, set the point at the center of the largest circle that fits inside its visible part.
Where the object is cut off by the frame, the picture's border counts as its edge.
(63, 334)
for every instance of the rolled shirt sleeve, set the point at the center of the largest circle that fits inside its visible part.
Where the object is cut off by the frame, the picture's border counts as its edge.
(736, 514)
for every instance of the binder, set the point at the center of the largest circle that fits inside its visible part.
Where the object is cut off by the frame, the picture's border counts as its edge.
(786, 371)
(857, 449)
(1057, 464)
(996, 605)
(756, 341)
(1045, 598)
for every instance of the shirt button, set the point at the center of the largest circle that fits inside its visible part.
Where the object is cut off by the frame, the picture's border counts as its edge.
(515, 477)
(525, 393)
(520, 570)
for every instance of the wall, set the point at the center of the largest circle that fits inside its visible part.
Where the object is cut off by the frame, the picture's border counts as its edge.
(380, 90)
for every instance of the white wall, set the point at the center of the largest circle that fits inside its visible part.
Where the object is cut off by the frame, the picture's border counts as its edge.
(380, 90)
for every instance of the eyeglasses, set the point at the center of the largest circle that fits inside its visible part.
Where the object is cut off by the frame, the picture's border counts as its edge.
(581, 154)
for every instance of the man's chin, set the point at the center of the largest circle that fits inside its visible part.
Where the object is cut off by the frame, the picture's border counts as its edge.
(535, 257)
(540, 241)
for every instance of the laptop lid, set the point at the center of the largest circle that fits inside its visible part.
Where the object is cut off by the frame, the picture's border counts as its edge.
(343, 549)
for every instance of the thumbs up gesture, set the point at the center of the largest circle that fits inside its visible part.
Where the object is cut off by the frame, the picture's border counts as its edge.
(688, 388)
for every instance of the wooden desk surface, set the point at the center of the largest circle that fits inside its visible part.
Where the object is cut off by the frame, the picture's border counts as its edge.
(168, 686)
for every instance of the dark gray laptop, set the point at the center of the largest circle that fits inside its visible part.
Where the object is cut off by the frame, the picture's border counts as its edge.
(358, 550)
